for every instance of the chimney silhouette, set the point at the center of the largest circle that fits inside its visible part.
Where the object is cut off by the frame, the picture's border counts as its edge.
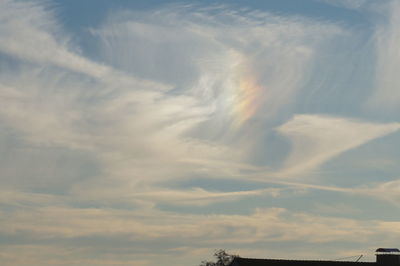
(388, 257)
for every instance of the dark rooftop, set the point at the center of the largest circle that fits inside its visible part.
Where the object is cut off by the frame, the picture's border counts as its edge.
(273, 262)
(388, 250)
(384, 257)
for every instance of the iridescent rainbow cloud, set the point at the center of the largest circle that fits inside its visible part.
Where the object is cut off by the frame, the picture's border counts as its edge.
(248, 95)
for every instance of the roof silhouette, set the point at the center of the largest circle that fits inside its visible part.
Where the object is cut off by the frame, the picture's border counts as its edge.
(387, 250)
(276, 262)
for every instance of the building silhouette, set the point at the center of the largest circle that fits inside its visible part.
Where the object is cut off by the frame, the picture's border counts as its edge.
(384, 257)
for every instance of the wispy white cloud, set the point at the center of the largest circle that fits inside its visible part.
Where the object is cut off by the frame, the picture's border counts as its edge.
(388, 191)
(246, 65)
(139, 130)
(197, 196)
(33, 34)
(350, 4)
(316, 139)
(272, 224)
(262, 226)
(386, 96)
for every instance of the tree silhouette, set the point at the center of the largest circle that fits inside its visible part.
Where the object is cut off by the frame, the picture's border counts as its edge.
(223, 259)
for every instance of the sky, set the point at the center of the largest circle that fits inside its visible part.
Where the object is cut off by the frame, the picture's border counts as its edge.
(156, 132)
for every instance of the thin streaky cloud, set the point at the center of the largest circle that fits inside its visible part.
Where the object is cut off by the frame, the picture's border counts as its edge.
(316, 139)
